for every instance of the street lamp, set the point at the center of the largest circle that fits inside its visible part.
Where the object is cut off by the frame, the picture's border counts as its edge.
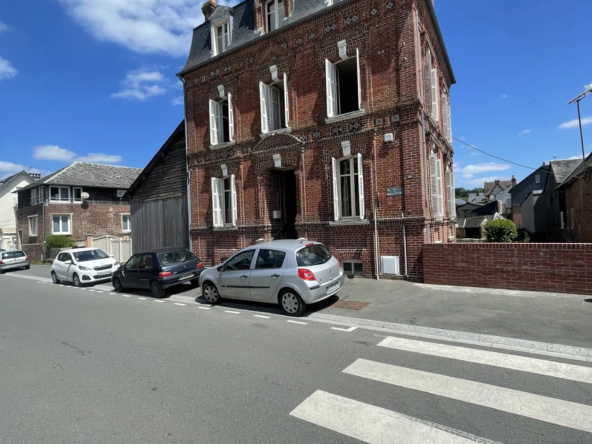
(587, 90)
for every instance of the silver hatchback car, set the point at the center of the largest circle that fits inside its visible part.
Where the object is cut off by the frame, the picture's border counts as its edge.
(291, 273)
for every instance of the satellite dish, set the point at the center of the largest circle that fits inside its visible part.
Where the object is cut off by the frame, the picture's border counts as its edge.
(85, 195)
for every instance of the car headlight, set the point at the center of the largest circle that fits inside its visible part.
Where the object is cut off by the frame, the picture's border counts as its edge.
(84, 268)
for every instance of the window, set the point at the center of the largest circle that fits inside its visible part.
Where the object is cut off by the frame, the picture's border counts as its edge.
(331, 2)
(77, 194)
(275, 14)
(353, 268)
(12, 255)
(34, 196)
(450, 194)
(431, 87)
(32, 225)
(340, 80)
(222, 38)
(275, 107)
(63, 257)
(221, 121)
(126, 223)
(59, 194)
(224, 207)
(61, 224)
(147, 262)
(177, 256)
(311, 255)
(436, 185)
(348, 187)
(134, 262)
(270, 259)
(90, 255)
(241, 261)
(537, 178)
(40, 197)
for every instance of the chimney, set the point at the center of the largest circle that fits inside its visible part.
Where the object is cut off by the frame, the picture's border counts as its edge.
(544, 163)
(35, 176)
(208, 8)
(513, 181)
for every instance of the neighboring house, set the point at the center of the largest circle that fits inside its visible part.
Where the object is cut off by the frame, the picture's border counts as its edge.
(471, 227)
(8, 185)
(499, 189)
(158, 198)
(466, 209)
(476, 198)
(577, 187)
(533, 182)
(55, 205)
(459, 202)
(534, 214)
(304, 119)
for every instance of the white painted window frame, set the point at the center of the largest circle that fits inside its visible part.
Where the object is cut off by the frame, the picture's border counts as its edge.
(332, 87)
(74, 198)
(129, 223)
(266, 106)
(337, 191)
(278, 22)
(31, 234)
(217, 121)
(60, 188)
(352, 262)
(436, 185)
(60, 215)
(218, 201)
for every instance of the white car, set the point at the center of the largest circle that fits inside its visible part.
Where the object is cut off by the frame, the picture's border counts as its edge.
(83, 266)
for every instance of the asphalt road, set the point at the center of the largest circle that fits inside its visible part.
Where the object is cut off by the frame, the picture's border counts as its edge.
(93, 367)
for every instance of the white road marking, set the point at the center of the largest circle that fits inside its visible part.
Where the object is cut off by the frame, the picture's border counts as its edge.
(182, 305)
(375, 425)
(126, 295)
(113, 293)
(262, 317)
(349, 330)
(204, 308)
(140, 298)
(83, 289)
(99, 291)
(297, 322)
(521, 363)
(159, 301)
(542, 408)
(232, 312)
(91, 290)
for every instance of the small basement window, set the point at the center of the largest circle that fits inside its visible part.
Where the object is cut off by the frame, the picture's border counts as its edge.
(353, 268)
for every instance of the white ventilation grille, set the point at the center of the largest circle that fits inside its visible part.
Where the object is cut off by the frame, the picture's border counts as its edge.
(390, 265)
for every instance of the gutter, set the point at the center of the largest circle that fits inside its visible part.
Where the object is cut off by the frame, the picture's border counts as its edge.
(187, 166)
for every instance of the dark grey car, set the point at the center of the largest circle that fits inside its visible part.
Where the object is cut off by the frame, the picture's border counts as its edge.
(11, 260)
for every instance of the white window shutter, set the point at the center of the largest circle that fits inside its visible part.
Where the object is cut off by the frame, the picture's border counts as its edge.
(361, 185)
(220, 120)
(444, 116)
(216, 209)
(264, 111)
(452, 197)
(335, 164)
(440, 191)
(230, 117)
(434, 95)
(286, 100)
(213, 40)
(433, 184)
(447, 179)
(427, 75)
(359, 79)
(449, 135)
(234, 204)
(230, 23)
(213, 123)
(330, 85)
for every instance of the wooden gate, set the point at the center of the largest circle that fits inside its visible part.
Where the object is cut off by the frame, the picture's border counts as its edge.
(119, 247)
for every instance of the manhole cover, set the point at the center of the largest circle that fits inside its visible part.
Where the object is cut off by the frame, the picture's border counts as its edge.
(349, 305)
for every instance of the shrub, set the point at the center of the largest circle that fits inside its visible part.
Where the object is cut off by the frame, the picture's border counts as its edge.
(56, 241)
(500, 230)
(523, 235)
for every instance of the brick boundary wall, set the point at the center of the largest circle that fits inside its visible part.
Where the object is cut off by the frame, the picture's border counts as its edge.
(561, 268)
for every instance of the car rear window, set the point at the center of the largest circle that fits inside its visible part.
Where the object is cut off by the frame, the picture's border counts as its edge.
(313, 255)
(12, 254)
(175, 257)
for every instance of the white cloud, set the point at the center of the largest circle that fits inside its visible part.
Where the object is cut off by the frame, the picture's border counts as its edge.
(526, 131)
(9, 168)
(470, 170)
(144, 26)
(3, 27)
(141, 85)
(53, 152)
(575, 123)
(479, 181)
(177, 101)
(7, 71)
(100, 158)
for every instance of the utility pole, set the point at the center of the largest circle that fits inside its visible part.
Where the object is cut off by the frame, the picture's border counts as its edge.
(577, 102)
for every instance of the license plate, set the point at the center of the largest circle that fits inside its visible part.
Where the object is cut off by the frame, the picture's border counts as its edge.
(103, 273)
(333, 287)
(185, 276)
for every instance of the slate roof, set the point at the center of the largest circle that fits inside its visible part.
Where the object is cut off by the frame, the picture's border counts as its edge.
(86, 174)
(243, 29)
(472, 222)
(7, 179)
(476, 197)
(562, 168)
(489, 186)
(575, 173)
(460, 201)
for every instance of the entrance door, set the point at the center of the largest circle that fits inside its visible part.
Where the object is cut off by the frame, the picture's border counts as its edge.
(287, 203)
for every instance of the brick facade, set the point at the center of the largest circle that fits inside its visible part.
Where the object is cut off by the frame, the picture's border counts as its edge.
(564, 268)
(578, 205)
(387, 38)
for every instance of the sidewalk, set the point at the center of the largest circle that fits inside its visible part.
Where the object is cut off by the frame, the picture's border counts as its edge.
(531, 316)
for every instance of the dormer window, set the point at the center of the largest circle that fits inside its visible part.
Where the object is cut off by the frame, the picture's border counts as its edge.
(221, 38)
(275, 14)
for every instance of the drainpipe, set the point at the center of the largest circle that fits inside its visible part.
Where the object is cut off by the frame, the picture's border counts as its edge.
(375, 210)
(404, 243)
(423, 137)
(187, 166)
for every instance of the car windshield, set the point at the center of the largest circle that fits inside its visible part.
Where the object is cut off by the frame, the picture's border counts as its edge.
(90, 255)
(12, 255)
(312, 255)
(175, 257)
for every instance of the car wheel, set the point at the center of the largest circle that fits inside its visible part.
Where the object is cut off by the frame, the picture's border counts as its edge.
(157, 290)
(117, 285)
(291, 303)
(54, 278)
(210, 293)
(76, 280)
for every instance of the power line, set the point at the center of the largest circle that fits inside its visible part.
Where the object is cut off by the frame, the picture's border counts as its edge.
(491, 155)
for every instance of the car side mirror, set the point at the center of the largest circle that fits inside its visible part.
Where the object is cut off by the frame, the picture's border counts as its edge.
(220, 268)
(112, 256)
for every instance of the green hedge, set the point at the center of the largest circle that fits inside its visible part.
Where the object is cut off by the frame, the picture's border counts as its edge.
(56, 241)
(500, 230)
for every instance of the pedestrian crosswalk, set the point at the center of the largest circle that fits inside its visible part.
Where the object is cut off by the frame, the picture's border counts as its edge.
(372, 424)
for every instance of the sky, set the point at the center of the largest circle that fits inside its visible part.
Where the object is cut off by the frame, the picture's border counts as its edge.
(95, 80)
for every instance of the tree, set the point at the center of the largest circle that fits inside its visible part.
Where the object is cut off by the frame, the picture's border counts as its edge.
(56, 241)
(500, 230)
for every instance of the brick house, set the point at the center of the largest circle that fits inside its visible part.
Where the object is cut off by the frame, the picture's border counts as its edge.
(8, 185)
(328, 120)
(54, 204)
(577, 187)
